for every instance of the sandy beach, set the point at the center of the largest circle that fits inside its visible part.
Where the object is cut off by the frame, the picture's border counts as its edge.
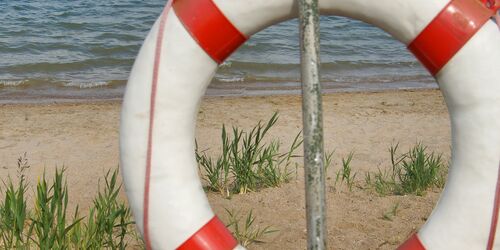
(83, 137)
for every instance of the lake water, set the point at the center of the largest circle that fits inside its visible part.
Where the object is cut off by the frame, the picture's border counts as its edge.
(85, 49)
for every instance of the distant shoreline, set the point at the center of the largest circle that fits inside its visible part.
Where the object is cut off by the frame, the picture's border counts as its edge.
(26, 96)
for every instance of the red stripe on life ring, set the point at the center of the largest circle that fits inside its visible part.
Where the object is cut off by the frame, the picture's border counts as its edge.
(152, 107)
(413, 243)
(450, 30)
(209, 27)
(213, 236)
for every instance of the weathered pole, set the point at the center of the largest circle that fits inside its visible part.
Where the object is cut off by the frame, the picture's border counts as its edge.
(313, 124)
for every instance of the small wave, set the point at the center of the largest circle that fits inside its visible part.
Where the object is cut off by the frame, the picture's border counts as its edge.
(68, 66)
(114, 50)
(87, 85)
(92, 84)
(229, 79)
(12, 83)
(226, 64)
(72, 25)
(119, 36)
(339, 64)
(54, 83)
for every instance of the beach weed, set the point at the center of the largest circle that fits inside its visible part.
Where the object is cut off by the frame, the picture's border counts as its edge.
(286, 159)
(389, 215)
(247, 233)
(345, 174)
(419, 170)
(247, 163)
(109, 220)
(13, 209)
(252, 159)
(411, 173)
(22, 167)
(48, 224)
(383, 181)
(328, 161)
(216, 172)
(50, 211)
(442, 175)
(13, 215)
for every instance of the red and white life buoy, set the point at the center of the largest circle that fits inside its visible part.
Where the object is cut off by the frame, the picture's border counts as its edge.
(454, 40)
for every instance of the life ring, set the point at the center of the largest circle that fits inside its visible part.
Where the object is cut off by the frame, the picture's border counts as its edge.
(454, 40)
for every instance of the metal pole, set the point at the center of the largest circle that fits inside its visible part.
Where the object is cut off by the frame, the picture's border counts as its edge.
(313, 124)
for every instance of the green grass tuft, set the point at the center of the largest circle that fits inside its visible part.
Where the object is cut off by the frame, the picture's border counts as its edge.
(13, 210)
(345, 173)
(247, 163)
(419, 170)
(413, 172)
(393, 212)
(247, 233)
(13, 216)
(49, 225)
(109, 221)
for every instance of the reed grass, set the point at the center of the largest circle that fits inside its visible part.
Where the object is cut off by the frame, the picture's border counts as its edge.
(109, 222)
(246, 232)
(248, 163)
(49, 221)
(328, 160)
(13, 216)
(413, 172)
(13, 210)
(345, 174)
(419, 170)
(49, 224)
(383, 181)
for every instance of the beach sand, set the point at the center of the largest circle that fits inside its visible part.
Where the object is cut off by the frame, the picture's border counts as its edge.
(83, 137)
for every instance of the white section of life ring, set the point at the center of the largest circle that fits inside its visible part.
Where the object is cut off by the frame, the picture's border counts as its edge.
(178, 206)
(471, 86)
(412, 15)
